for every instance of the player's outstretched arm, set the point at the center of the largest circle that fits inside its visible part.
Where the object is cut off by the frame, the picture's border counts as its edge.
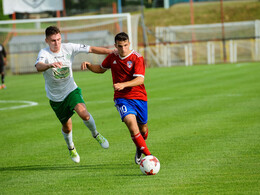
(92, 68)
(100, 50)
(135, 82)
(42, 66)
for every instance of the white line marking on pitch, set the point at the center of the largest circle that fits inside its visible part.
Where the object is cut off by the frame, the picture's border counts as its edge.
(25, 104)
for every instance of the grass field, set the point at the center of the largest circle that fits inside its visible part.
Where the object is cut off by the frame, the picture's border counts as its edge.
(204, 127)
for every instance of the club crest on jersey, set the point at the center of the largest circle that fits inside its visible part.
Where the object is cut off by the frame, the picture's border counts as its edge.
(129, 64)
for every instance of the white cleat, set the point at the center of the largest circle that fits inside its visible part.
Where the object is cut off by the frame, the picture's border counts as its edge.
(138, 156)
(102, 141)
(74, 155)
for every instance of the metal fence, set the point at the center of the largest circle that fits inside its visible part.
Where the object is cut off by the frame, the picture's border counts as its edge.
(204, 44)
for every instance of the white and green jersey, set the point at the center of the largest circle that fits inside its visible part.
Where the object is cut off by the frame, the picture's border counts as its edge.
(59, 82)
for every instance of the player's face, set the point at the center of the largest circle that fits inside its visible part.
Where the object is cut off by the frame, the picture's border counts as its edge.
(123, 47)
(54, 42)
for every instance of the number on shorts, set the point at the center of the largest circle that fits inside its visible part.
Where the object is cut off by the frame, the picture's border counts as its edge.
(122, 109)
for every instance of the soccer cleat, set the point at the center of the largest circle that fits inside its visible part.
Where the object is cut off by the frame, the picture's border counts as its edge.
(102, 141)
(74, 155)
(138, 156)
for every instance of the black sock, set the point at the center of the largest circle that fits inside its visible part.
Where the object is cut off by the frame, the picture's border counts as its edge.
(3, 78)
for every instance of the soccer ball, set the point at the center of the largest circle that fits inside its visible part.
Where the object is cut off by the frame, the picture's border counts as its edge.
(150, 165)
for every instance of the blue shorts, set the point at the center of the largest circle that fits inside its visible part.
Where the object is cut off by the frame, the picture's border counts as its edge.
(130, 106)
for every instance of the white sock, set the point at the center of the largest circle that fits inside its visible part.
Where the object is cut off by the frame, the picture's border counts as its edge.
(68, 139)
(90, 124)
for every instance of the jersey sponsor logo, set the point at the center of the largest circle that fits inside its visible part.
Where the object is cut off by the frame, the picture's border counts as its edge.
(61, 73)
(58, 57)
(114, 62)
(129, 64)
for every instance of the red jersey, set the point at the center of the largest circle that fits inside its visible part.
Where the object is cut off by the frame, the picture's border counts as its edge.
(126, 69)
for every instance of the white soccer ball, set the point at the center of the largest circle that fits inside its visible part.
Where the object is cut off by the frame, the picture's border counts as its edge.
(150, 165)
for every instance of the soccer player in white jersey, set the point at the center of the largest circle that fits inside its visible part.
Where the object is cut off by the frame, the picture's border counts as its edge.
(128, 71)
(65, 96)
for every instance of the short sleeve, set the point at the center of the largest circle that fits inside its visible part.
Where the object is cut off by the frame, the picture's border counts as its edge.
(41, 57)
(106, 64)
(75, 48)
(139, 67)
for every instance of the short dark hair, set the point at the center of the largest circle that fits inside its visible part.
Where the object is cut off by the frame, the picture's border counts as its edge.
(52, 30)
(121, 37)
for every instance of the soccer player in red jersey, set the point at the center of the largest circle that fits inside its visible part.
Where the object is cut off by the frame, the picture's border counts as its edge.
(128, 71)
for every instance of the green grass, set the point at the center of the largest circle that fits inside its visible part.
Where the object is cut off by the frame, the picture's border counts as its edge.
(203, 127)
(204, 13)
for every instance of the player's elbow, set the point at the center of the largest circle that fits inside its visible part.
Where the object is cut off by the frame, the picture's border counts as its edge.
(38, 68)
(140, 80)
(101, 70)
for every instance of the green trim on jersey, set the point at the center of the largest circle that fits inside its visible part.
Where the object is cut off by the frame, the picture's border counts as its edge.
(65, 109)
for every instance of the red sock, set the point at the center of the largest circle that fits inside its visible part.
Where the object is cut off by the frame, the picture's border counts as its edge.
(145, 135)
(140, 143)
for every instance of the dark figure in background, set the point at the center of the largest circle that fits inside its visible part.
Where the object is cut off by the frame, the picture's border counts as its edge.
(2, 65)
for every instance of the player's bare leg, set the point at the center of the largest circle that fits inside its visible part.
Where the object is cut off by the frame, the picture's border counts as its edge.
(89, 121)
(130, 121)
(67, 134)
(143, 130)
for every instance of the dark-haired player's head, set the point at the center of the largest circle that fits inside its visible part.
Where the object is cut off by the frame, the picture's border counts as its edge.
(51, 30)
(53, 38)
(121, 37)
(122, 44)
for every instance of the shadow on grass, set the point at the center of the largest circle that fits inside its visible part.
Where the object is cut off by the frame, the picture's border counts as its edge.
(67, 167)
(62, 167)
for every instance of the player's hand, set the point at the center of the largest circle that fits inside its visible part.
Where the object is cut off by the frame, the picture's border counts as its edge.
(85, 65)
(115, 51)
(118, 86)
(56, 65)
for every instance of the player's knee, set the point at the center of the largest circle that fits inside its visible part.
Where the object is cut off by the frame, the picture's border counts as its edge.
(85, 117)
(133, 131)
(66, 129)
